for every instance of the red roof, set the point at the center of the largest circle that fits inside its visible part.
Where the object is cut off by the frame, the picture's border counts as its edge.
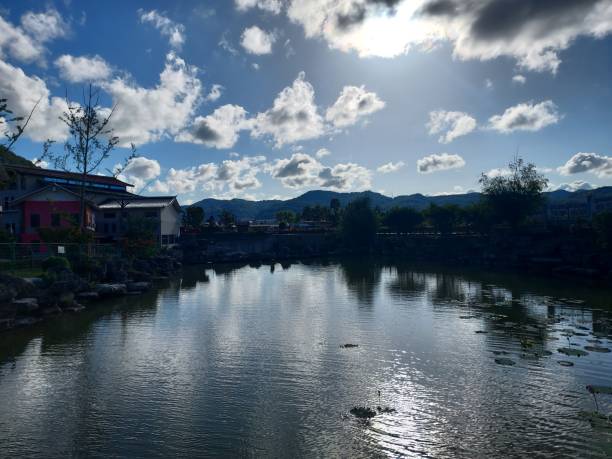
(101, 179)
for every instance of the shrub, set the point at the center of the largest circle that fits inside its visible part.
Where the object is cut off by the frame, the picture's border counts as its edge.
(55, 263)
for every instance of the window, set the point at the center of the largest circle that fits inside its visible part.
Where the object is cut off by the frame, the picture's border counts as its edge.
(113, 227)
(56, 220)
(24, 183)
(75, 218)
(6, 202)
(109, 215)
(165, 239)
(106, 227)
(152, 214)
(34, 221)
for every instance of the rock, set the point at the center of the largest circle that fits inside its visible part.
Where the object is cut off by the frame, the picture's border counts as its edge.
(87, 296)
(66, 298)
(75, 307)
(25, 305)
(6, 293)
(35, 281)
(348, 346)
(138, 286)
(7, 323)
(106, 290)
(159, 278)
(26, 321)
(51, 310)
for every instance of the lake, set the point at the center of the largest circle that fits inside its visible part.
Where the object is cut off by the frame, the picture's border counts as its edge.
(248, 361)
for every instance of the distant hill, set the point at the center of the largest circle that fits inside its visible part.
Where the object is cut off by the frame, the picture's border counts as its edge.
(262, 210)
(8, 157)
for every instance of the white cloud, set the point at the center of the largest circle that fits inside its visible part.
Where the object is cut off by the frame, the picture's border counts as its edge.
(391, 167)
(271, 6)
(44, 26)
(219, 129)
(23, 93)
(593, 163)
(145, 115)
(519, 79)
(293, 116)
(442, 162)
(322, 152)
(526, 117)
(26, 42)
(303, 171)
(353, 103)
(488, 83)
(498, 172)
(215, 93)
(533, 34)
(257, 41)
(231, 177)
(450, 125)
(140, 171)
(225, 44)
(82, 68)
(574, 186)
(167, 27)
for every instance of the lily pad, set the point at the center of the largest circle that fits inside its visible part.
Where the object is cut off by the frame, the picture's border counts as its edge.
(363, 412)
(599, 389)
(597, 419)
(348, 345)
(385, 409)
(526, 356)
(597, 349)
(468, 317)
(500, 352)
(565, 363)
(571, 351)
(504, 361)
(481, 332)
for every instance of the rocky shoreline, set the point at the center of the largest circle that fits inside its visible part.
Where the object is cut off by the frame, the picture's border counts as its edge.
(28, 301)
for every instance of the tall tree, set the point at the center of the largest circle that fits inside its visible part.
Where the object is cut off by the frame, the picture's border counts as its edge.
(403, 219)
(194, 217)
(513, 197)
(359, 224)
(90, 141)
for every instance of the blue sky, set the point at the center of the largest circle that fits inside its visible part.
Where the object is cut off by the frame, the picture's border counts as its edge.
(270, 98)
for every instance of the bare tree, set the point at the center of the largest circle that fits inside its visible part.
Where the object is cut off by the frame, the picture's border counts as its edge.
(90, 141)
(6, 116)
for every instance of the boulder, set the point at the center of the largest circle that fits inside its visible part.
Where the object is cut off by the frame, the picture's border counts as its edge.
(106, 290)
(138, 286)
(25, 305)
(51, 310)
(87, 296)
(66, 298)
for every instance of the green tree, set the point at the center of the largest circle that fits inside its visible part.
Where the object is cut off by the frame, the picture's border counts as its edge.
(286, 217)
(359, 224)
(477, 217)
(403, 219)
(193, 217)
(514, 197)
(443, 218)
(336, 211)
(602, 224)
(227, 219)
(140, 237)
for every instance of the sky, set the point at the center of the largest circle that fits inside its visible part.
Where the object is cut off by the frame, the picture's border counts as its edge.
(267, 99)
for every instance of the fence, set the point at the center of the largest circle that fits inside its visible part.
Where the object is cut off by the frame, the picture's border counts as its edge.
(21, 255)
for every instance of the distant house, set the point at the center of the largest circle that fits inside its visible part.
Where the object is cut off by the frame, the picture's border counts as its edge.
(163, 211)
(35, 197)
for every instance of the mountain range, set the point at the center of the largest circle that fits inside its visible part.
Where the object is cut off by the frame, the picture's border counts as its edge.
(262, 210)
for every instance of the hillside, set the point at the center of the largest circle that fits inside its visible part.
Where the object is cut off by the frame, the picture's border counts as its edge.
(8, 157)
(261, 210)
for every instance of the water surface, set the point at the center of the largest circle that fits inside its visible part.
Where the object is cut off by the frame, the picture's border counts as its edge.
(247, 361)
